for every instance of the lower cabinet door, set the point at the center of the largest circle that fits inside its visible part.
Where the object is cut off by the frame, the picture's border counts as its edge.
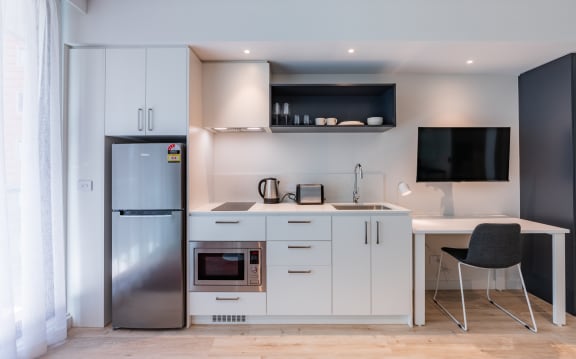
(229, 303)
(299, 290)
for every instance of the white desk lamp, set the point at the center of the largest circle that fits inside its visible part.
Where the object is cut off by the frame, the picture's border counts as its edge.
(404, 189)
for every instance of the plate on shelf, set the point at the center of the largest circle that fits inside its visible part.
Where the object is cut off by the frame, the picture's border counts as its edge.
(351, 123)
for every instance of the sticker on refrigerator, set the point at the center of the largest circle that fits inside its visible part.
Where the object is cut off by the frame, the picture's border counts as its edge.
(174, 155)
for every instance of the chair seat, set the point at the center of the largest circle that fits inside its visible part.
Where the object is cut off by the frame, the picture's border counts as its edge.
(459, 253)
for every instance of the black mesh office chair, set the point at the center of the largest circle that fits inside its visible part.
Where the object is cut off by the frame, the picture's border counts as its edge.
(492, 246)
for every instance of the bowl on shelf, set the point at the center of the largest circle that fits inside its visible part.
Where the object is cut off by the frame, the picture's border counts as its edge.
(375, 121)
(351, 123)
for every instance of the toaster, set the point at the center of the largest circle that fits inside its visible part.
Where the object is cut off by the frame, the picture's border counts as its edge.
(310, 194)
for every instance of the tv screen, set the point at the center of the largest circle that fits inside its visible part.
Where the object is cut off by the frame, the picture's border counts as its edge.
(453, 154)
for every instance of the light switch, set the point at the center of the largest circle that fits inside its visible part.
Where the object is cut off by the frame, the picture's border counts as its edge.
(85, 185)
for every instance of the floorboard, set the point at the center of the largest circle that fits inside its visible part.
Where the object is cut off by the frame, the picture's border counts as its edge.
(492, 334)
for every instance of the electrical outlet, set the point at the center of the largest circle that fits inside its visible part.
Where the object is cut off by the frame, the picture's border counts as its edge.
(85, 185)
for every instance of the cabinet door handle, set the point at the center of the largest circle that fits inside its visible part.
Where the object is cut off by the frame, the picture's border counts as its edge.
(304, 222)
(300, 271)
(377, 232)
(140, 125)
(299, 247)
(223, 298)
(226, 222)
(365, 232)
(150, 122)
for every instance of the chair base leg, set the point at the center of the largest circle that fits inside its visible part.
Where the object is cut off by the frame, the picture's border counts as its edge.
(533, 328)
(463, 326)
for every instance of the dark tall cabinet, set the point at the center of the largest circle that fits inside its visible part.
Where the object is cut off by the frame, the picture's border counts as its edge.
(547, 96)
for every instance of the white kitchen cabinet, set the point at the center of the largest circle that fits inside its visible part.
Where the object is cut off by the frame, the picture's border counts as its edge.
(227, 303)
(371, 265)
(298, 228)
(227, 228)
(299, 253)
(236, 94)
(147, 92)
(299, 271)
(299, 290)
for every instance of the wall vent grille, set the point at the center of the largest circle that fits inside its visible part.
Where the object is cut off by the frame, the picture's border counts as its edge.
(224, 318)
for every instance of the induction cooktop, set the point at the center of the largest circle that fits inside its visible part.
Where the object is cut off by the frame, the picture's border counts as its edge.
(234, 206)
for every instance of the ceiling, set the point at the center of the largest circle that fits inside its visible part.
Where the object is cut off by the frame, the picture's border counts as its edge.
(304, 36)
(370, 57)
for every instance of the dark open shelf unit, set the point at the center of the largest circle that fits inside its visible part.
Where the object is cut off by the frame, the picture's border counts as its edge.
(346, 102)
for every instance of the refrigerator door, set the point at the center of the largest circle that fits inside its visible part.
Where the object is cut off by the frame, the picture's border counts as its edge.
(147, 269)
(145, 178)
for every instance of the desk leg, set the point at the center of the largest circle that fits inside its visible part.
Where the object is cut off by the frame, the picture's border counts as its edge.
(558, 280)
(419, 279)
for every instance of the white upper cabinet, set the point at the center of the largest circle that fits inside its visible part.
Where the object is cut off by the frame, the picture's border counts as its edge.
(236, 94)
(147, 92)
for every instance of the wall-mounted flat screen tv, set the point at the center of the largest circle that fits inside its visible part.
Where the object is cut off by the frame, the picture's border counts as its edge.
(454, 154)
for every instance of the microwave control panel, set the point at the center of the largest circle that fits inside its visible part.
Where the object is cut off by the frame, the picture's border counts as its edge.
(254, 267)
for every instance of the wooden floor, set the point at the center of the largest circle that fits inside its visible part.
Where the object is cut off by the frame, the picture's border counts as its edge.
(491, 334)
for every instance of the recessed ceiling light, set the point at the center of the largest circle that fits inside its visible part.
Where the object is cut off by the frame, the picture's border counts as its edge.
(469, 62)
(247, 51)
(351, 51)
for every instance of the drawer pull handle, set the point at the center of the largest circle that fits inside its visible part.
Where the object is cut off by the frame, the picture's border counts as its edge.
(365, 232)
(300, 222)
(227, 222)
(222, 298)
(299, 247)
(377, 232)
(300, 271)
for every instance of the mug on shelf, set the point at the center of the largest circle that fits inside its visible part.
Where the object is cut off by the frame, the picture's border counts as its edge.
(320, 121)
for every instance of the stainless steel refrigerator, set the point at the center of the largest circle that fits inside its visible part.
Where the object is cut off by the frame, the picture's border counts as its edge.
(148, 236)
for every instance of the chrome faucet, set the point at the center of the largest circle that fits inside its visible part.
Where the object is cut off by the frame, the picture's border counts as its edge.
(355, 193)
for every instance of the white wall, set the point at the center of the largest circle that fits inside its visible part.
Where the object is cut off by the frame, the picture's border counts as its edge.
(240, 160)
(389, 157)
(88, 236)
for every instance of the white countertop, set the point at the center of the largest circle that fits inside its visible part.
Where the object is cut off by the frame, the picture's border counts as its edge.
(280, 208)
(463, 225)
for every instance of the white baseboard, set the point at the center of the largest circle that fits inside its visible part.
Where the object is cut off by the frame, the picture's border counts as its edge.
(269, 319)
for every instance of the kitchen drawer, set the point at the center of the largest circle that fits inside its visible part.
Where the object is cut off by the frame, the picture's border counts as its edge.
(227, 228)
(299, 228)
(229, 303)
(282, 253)
(308, 292)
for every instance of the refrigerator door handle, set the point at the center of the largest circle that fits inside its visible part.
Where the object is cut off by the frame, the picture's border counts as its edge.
(145, 216)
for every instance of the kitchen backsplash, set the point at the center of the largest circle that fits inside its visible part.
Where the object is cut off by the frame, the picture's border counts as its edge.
(337, 186)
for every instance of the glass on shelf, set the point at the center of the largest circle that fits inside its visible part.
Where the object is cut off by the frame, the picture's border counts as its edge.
(286, 114)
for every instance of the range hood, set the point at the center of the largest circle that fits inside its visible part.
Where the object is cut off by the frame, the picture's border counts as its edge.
(238, 129)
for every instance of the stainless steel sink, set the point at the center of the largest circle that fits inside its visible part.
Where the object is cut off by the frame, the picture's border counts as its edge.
(360, 207)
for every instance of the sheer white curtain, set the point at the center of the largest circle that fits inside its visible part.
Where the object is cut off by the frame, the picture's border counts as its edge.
(32, 272)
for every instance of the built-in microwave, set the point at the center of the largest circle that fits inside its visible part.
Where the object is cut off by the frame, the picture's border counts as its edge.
(234, 266)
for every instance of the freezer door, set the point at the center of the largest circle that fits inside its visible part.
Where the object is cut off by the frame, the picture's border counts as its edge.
(143, 177)
(147, 269)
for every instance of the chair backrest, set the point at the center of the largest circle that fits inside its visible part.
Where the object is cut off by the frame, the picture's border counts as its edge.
(495, 245)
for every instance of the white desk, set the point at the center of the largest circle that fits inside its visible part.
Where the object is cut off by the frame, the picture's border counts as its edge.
(421, 226)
